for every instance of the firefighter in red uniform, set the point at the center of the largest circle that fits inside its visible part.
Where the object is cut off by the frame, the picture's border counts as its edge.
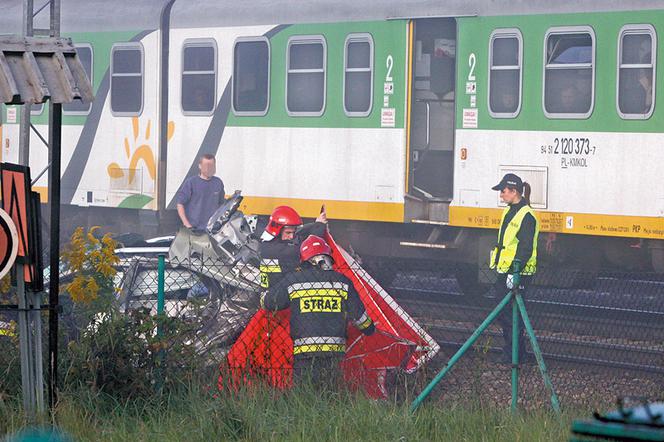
(321, 302)
(280, 242)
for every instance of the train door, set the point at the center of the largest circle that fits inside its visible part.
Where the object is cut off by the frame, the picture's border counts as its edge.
(432, 110)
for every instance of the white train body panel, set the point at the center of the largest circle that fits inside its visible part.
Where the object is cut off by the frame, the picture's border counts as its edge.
(592, 182)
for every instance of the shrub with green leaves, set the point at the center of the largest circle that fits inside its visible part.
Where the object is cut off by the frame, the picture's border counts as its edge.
(124, 354)
(133, 355)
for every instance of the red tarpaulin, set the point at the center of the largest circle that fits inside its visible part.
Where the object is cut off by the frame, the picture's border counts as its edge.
(265, 348)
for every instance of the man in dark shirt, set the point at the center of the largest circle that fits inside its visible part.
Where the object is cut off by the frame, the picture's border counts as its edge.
(200, 195)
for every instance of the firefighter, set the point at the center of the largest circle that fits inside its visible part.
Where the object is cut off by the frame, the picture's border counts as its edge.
(515, 255)
(321, 302)
(281, 240)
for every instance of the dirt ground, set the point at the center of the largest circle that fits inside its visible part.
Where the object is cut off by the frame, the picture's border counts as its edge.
(479, 378)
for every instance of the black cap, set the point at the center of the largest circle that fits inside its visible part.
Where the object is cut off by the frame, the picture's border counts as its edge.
(510, 180)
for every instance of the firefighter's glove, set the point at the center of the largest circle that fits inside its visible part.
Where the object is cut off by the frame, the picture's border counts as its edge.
(514, 278)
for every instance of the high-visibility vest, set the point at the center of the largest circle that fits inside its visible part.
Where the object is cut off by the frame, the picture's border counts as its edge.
(511, 242)
(268, 267)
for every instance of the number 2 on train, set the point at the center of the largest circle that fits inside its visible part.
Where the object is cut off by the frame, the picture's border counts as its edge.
(389, 63)
(472, 59)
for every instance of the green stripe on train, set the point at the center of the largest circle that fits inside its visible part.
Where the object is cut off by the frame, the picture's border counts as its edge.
(135, 201)
(474, 34)
(389, 38)
(101, 43)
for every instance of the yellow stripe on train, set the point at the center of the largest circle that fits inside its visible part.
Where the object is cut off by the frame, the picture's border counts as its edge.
(566, 222)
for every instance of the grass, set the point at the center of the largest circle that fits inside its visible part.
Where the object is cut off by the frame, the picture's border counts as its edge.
(304, 415)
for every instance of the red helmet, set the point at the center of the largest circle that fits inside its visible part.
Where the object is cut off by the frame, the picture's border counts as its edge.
(314, 246)
(282, 216)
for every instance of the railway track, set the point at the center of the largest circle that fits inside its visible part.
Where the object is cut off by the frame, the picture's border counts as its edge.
(607, 327)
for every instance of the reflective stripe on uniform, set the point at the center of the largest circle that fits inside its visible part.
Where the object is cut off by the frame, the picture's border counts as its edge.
(318, 292)
(319, 340)
(270, 269)
(337, 348)
(268, 266)
(262, 301)
(363, 322)
(323, 285)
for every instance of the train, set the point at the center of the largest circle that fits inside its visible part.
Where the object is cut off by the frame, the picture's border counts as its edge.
(399, 116)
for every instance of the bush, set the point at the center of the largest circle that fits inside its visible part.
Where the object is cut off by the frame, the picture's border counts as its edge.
(10, 362)
(122, 354)
(132, 355)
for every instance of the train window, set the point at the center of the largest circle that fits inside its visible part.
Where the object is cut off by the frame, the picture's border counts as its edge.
(635, 98)
(305, 79)
(127, 79)
(199, 77)
(37, 109)
(358, 75)
(569, 72)
(505, 57)
(251, 76)
(77, 107)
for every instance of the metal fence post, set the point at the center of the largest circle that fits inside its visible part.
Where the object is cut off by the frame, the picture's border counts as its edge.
(160, 289)
(515, 355)
(538, 353)
(54, 156)
(161, 268)
(476, 334)
(38, 350)
(25, 343)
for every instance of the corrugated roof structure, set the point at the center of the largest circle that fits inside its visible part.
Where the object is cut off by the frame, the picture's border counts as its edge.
(34, 70)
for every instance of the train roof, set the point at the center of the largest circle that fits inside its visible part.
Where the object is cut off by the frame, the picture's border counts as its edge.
(87, 15)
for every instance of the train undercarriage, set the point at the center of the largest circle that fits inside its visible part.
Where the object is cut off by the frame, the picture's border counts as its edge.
(564, 260)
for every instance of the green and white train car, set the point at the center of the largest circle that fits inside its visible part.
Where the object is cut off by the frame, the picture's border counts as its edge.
(399, 116)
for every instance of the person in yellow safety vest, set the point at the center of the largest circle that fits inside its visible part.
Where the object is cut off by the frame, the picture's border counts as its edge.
(514, 256)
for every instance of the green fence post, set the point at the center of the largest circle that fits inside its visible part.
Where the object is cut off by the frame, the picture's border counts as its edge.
(538, 353)
(476, 334)
(161, 269)
(160, 289)
(515, 355)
